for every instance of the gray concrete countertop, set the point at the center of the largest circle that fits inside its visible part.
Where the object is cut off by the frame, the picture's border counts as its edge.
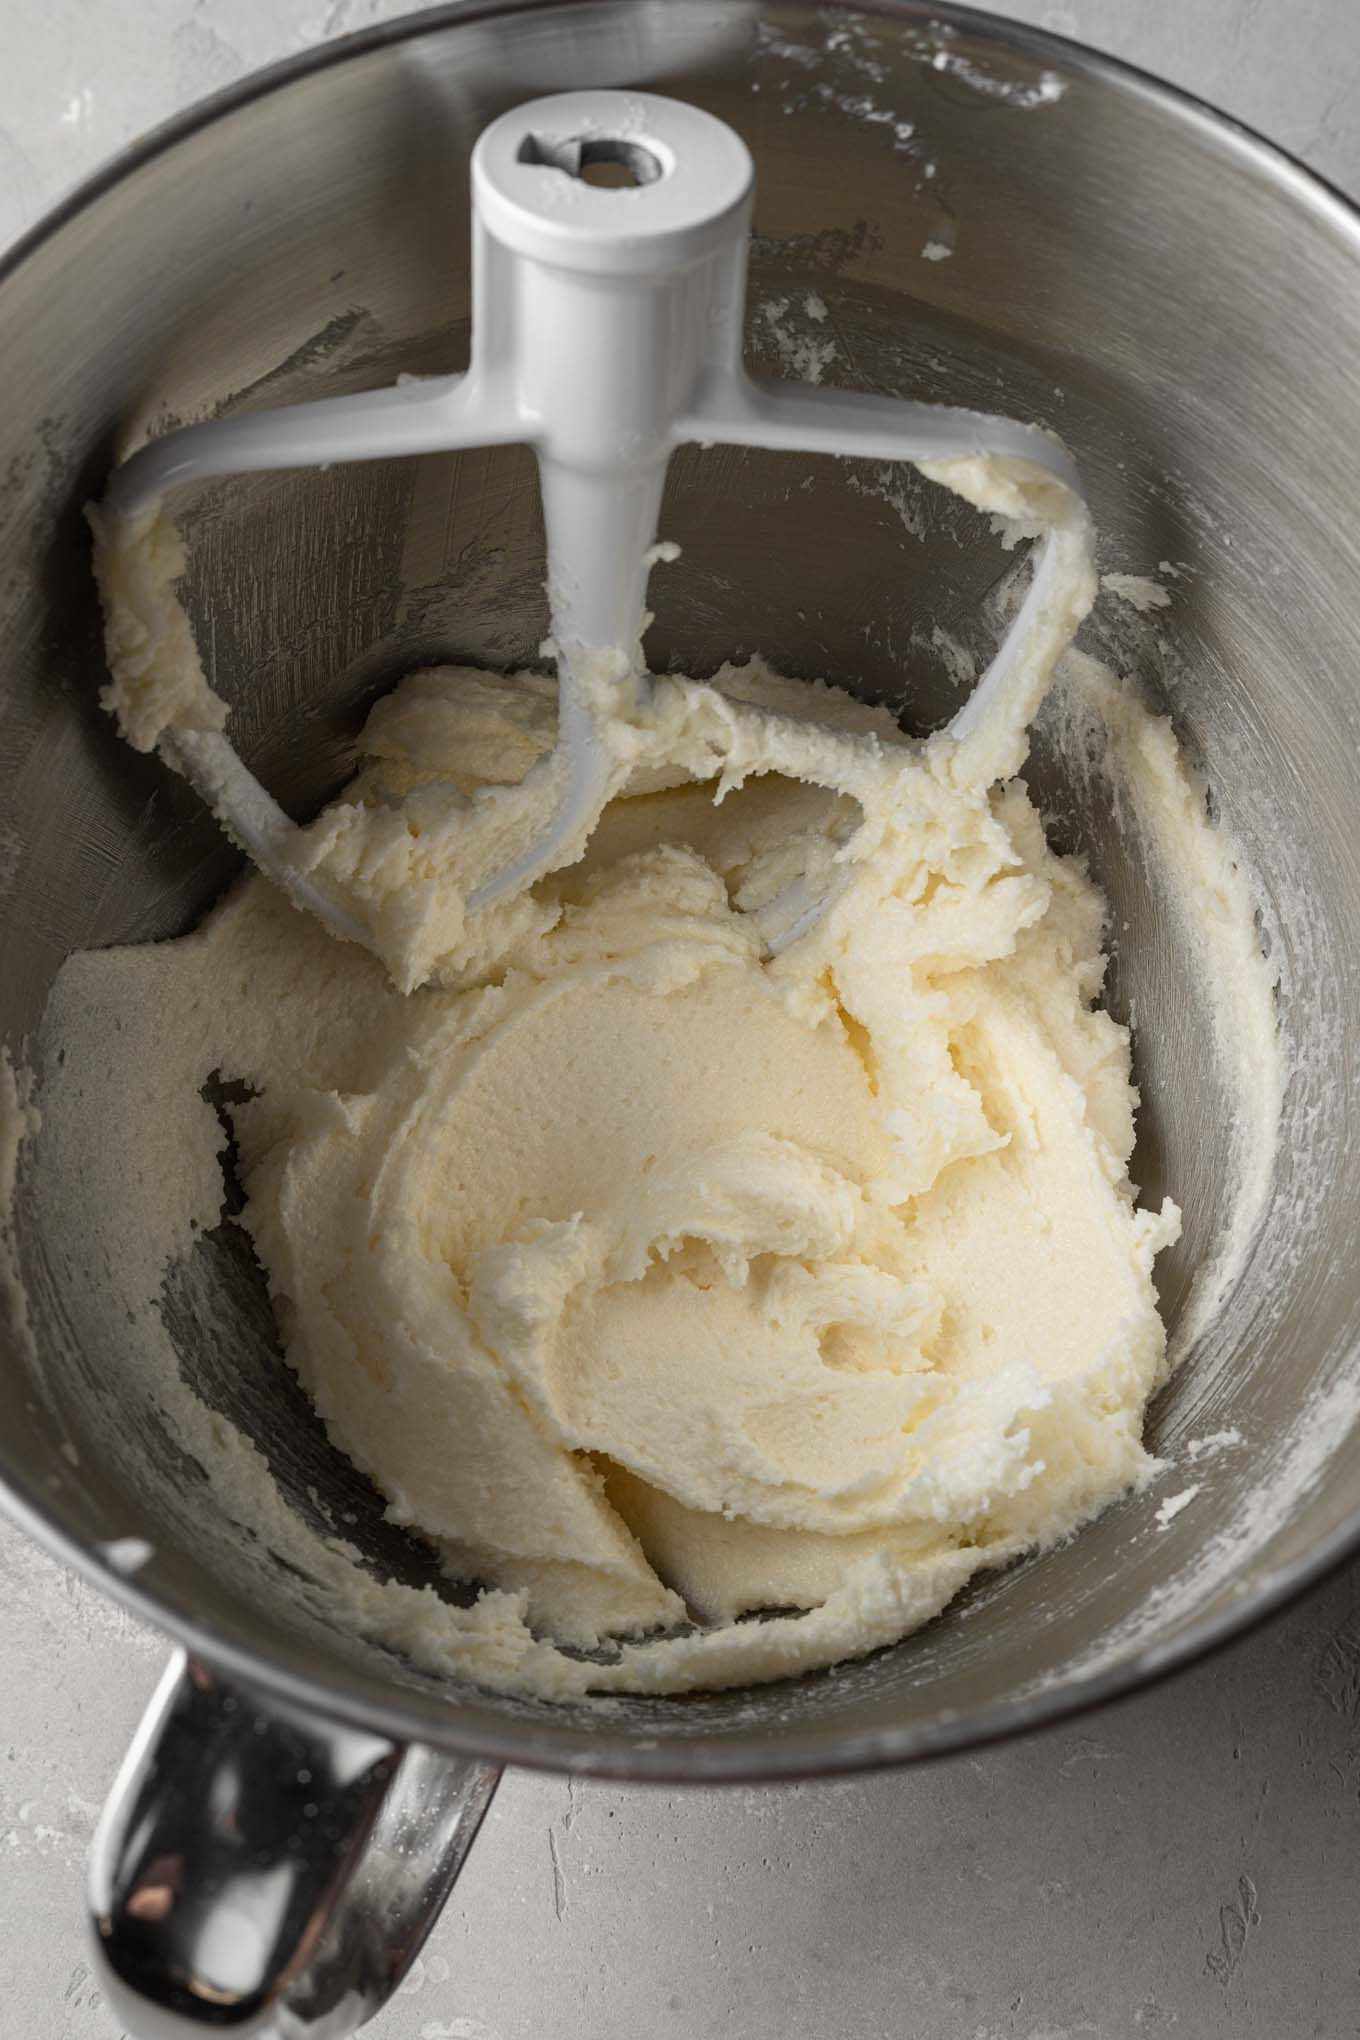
(1185, 1862)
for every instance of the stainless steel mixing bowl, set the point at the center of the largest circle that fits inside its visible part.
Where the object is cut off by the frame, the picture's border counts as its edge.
(1183, 303)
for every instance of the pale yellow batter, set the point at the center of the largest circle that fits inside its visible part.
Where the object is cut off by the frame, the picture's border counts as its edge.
(660, 1281)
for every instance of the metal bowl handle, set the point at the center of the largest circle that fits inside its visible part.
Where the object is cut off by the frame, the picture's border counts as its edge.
(266, 1873)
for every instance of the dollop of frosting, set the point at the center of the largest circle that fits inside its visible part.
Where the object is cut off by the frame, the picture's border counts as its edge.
(663, 1276)
(662, 1283)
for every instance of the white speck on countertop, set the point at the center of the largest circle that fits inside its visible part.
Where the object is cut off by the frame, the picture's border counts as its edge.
(127, 1554)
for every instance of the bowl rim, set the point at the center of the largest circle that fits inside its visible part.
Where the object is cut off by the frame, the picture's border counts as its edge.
(537, 1742)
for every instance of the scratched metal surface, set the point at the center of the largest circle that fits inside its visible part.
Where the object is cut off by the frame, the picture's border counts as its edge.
(1182, 1863)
